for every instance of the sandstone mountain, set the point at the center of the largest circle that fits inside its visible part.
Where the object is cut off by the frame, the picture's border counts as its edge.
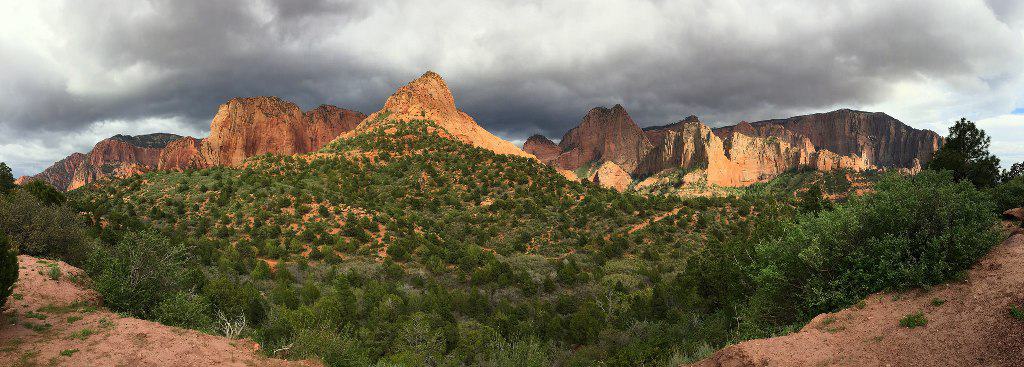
(243, 127)
(58, 174)
(117, 156)
(428, 98)
(880, 139)
(604, 135)
(120, 156)
(741, 154)
(543, 148)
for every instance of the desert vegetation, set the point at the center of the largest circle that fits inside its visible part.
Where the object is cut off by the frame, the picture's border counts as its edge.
(400, 246)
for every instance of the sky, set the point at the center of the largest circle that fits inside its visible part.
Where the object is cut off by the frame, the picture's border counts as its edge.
(75, 72)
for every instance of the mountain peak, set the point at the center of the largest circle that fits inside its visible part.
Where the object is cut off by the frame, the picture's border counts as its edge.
(428, 98)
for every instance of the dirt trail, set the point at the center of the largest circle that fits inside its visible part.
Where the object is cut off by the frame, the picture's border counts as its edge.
(83, 334)
(968, 324)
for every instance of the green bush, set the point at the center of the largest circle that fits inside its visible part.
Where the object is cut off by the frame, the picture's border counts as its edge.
(8, 269)
(333, 349)
(45, 192)
(140, 270)
(1009, 194)
(914, 320)
(186, 310)
(912, 231)
(43, 230)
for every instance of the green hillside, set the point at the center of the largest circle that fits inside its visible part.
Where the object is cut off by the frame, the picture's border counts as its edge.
(400, 246)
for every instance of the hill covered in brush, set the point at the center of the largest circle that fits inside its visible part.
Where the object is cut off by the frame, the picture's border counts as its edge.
(418, 239)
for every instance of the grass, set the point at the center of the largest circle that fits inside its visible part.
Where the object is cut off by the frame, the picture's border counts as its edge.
(1017, 312)
(39, 328)
(52, 270)
(938, 302)
(72, 307)
(914, 320)
(72, 319)
(827, 325)
(17, 296)
(28, 358)
(35, 315)
(68, 352)
(82, 334)
(106, 324)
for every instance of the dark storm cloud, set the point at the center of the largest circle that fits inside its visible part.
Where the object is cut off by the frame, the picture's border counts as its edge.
(518, 67)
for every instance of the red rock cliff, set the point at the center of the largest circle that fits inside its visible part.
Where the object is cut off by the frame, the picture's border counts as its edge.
(604, 135)
(428, 98)
(243, 127)
(880, 139)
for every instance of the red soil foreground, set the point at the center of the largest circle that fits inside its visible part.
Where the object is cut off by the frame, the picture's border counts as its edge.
(969, 324)
(83, 334)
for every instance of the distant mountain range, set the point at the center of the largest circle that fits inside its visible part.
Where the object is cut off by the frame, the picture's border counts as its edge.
(606, 147)
(741, 154)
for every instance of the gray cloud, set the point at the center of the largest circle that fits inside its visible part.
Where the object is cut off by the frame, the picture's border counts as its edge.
(73, 70)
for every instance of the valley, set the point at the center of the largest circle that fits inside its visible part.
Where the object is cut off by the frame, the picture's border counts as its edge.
(413, 236)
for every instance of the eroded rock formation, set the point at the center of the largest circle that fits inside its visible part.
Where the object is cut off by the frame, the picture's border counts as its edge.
(612, 176)
(744, 153)
(604, 135)
(879, 139)
(243, 127)
(428, 98)
(543, 148)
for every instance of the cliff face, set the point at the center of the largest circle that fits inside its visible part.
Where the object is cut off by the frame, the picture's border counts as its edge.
(243, 127)
(118, 156)
(604, 135)
(182, 154)
(744, 153)
(612, 176)
(879, 139)
(543, 148)
(60, 173)
(428, 98)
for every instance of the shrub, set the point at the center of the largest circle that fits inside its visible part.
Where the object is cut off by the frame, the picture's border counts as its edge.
(914, 320)
(912, 231)
(1009, 194)
(333, 349)
(8, 269)
(43, 191)
(185, 310)
(138, 271)
(42, 230)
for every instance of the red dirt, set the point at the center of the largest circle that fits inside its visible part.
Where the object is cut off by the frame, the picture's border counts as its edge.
(969, 324)
(111, 340)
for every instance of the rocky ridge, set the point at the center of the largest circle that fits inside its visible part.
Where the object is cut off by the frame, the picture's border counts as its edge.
(242, 127)
(428, 98)
(741, 154)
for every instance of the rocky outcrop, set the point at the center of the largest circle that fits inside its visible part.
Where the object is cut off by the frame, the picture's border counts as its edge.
(120, 156)
(744, 153)
(182, 154)
(60, 173)
(611, 176)
(879, 139)
(604, 135)
(243, 127)
(428, 98)
(543, 148)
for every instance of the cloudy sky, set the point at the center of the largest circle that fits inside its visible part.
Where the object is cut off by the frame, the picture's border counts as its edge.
(74, 72)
